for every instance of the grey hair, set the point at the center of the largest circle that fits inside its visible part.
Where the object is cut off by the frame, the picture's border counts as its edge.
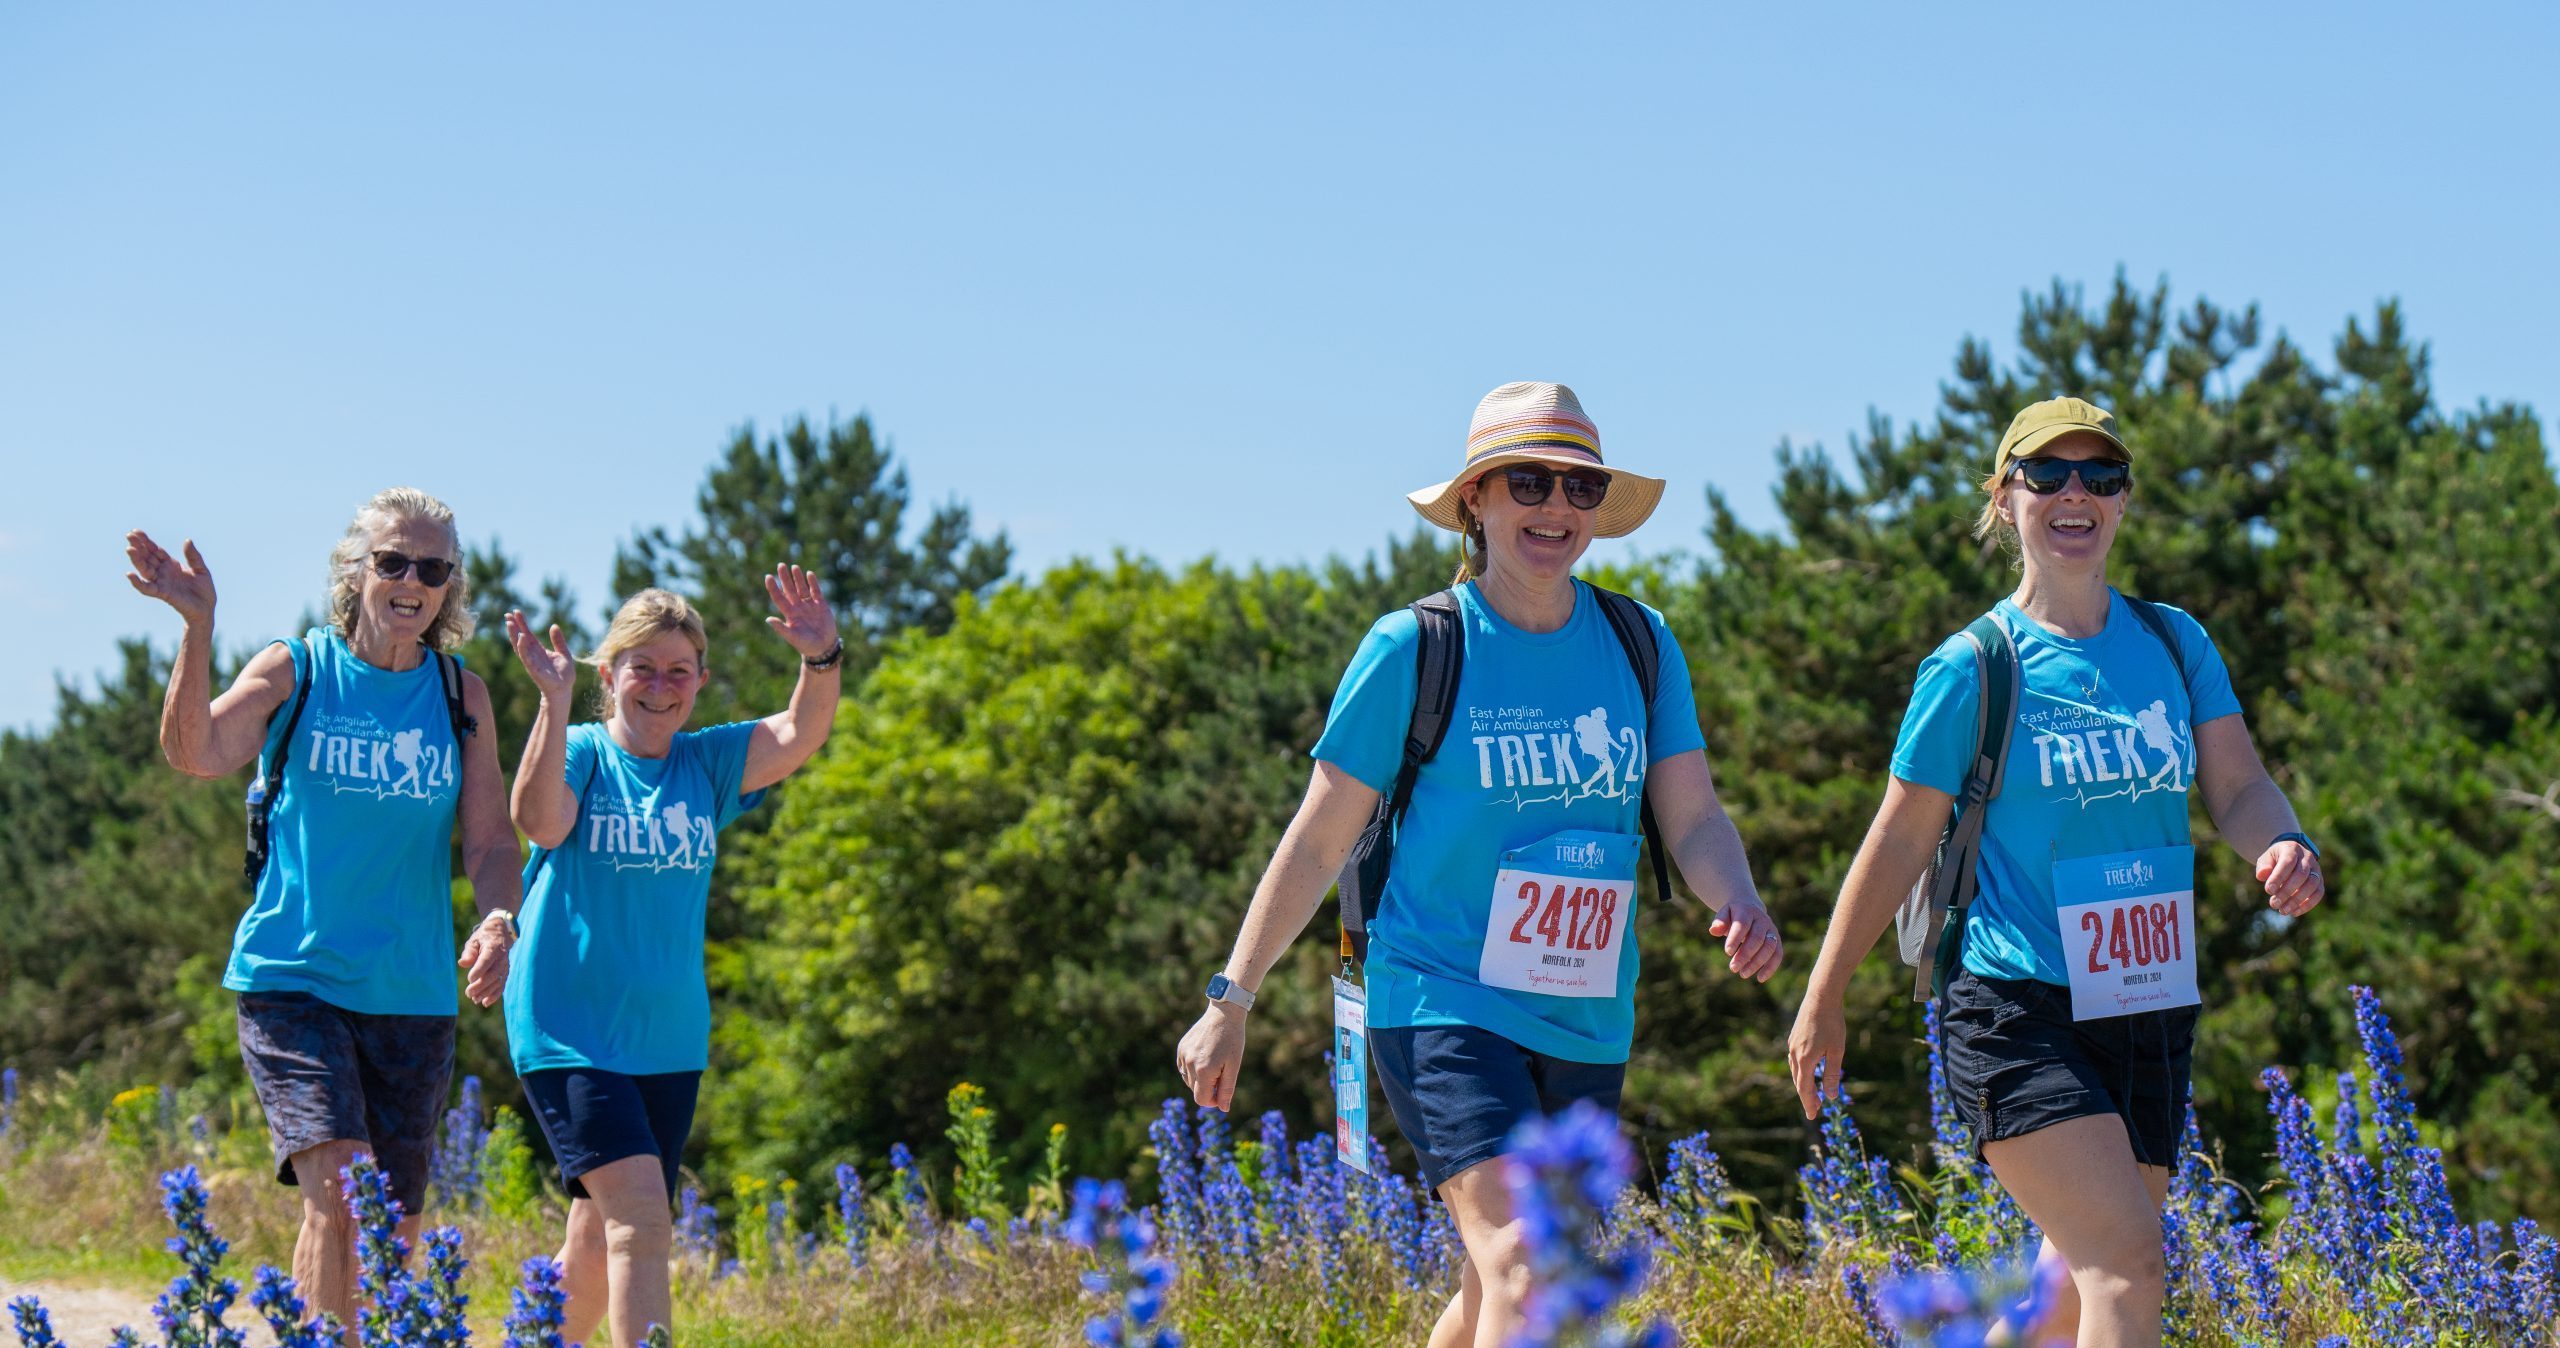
(453, 621)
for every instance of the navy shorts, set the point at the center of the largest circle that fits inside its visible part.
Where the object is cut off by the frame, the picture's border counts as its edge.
(326, 1074)
(593, 1117)
(1457, 1091)
(2017, 1062)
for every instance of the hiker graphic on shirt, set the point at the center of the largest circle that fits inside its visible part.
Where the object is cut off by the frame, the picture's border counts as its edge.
(1532, 754)
(358, 755)
(635, 836)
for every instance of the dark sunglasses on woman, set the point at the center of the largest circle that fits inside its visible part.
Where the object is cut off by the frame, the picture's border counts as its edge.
(433, 572)
(1584, 488)
(2098, 477)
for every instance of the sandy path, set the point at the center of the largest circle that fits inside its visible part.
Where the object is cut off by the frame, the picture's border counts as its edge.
(85, 1315)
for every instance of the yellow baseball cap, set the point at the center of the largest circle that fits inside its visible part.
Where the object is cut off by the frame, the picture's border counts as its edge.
(2040, 424)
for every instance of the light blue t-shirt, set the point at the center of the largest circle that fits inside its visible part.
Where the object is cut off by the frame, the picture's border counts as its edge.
(607, 972)
(2101, 762)
(1550, 732)
(356, 904)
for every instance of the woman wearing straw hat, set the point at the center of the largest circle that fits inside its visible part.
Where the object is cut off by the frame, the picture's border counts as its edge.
(2070, 1008)
(1501, 959)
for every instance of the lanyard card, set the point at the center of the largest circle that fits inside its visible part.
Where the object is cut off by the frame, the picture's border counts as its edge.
(1351, 1075)
(1557, 921)
(2128, 931)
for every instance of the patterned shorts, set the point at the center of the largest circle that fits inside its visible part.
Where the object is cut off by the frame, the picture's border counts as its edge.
(325, 1074)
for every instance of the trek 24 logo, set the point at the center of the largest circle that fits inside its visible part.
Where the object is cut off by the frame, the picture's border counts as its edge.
(1541, 758)
(357, 755)
(648, 837)
(2102, 755)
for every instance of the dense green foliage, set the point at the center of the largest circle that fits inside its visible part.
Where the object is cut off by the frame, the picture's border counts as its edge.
(1043, 809)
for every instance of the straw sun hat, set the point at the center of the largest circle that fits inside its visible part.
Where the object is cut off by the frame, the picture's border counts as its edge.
(1534, 422)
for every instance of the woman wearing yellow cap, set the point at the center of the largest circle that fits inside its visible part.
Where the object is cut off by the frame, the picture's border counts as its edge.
(2066, 962)
(1553, 726)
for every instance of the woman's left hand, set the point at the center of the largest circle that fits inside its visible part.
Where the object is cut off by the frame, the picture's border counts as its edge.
(1751, 942)
(801, 615)
(2292, 877)
(485, 955)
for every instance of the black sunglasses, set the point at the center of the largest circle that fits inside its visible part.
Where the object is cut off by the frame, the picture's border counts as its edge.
(1584, 488)
(433, 572)
(2098, 477)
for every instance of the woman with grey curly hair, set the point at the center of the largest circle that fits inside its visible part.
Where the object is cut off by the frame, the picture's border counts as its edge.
(364, 733)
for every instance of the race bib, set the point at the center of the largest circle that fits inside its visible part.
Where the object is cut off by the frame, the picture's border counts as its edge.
(2128, 931)
(1560, 912)
(1351, 1075)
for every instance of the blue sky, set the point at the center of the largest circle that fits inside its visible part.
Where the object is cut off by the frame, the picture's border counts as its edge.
(1184, 279)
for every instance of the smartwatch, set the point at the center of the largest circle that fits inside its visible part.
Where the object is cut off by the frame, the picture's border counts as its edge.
(1233, 993)
(2307, 845)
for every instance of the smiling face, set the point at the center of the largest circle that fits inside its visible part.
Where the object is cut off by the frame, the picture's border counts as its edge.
(402, 610)
(654, 684)
(1538, 543)
(2071, 529)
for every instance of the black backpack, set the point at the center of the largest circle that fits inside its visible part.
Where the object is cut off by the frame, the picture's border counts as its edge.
(1930, 924)
(1439, 658)
(270, 779)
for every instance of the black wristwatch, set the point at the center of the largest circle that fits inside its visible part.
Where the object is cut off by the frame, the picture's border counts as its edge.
(2309, 846)
(833, 657)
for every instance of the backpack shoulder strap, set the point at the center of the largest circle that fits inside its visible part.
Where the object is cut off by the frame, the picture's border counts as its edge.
(306, 672)
(1635, 633)
(1937, 948)
(1644, 655)
(1439, 657)
(2158, 622)
(1995, 656)
(449, 672)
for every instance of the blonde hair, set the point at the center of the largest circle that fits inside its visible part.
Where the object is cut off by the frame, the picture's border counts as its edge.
(453, 621)
(1991, 521)
(643, 618)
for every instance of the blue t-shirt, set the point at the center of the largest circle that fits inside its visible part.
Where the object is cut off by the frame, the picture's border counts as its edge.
(608, 970)
(1550, 732)
(2101, 762)
(356, 904)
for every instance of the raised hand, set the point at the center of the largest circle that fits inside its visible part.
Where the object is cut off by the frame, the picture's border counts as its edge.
(553, 670)
(801, 615)
(185, 586)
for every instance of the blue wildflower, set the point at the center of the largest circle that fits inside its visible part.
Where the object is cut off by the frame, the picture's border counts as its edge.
(540, 1307)
(27, 1315)
(857, 1218)
(190, 1312)
(1565, 1175)
(1124, 1244)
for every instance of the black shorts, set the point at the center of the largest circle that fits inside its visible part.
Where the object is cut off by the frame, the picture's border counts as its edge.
(326, 1074)
(2017, 1062)
(592, 1117)
(1457, 1091)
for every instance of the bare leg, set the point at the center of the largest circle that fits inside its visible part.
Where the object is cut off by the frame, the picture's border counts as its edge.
(1497, 1255)
(2079, 1181)
(1456, 1326)
(630, 1195)
(582, 1272)
(2061, 1324)
(324, 1255)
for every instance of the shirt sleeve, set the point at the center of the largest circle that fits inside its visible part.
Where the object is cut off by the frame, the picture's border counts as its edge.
(1936, 745)
(1373, 705)
(578, 764)
(2209, 693)
(724, 758)
(1671, 723)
